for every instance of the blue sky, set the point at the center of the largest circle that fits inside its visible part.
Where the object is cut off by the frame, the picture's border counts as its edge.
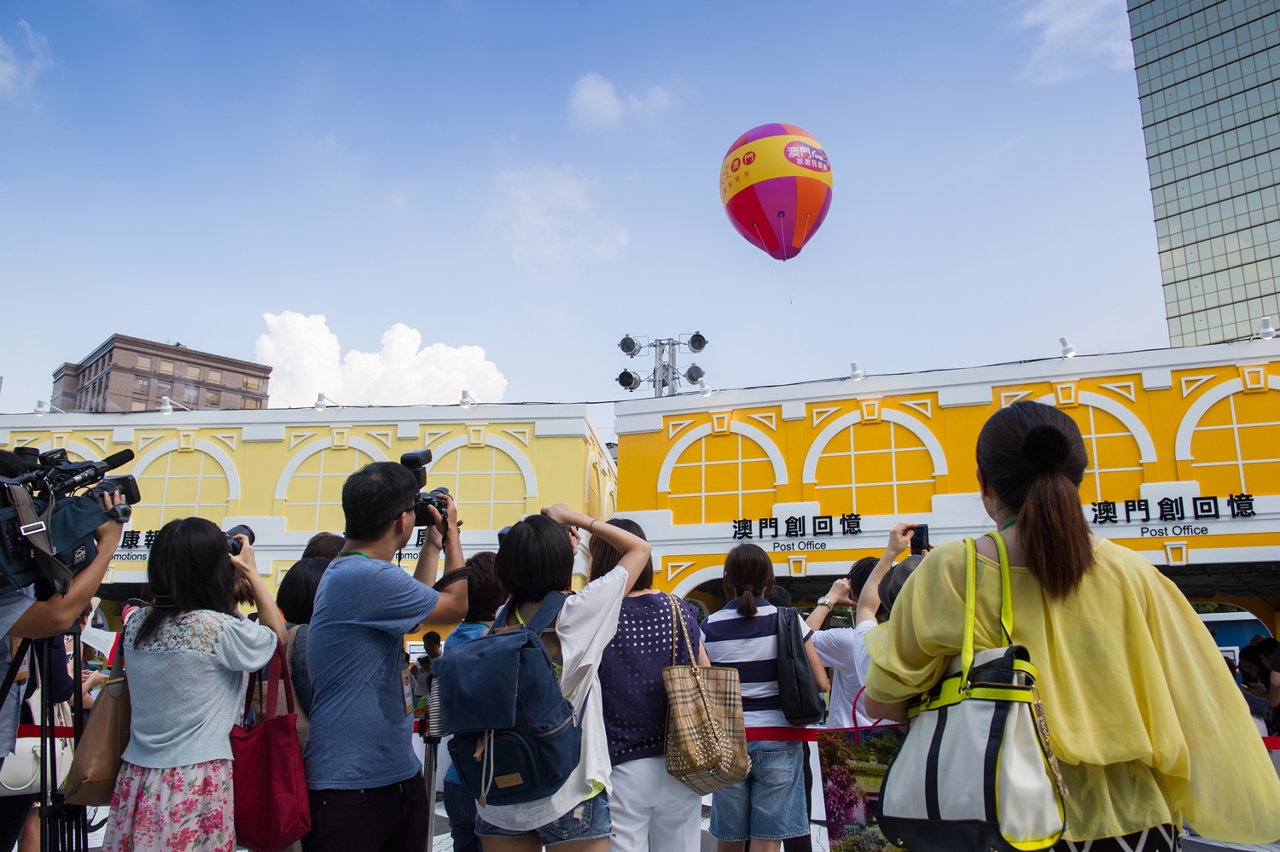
(536, 179)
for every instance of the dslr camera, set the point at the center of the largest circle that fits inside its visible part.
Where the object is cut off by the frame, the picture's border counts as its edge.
(46, 528)
(234, 544)
(417, 462)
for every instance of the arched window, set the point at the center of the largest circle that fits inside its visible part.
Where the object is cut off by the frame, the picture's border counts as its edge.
(181, 484)
(1235, 446)
(1114, 471)
(486, 483)
(720, 478)
(878, 468)
(313, 499)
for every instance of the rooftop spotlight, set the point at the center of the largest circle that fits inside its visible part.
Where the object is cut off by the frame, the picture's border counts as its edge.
(43, 408)
(1068, 351)
(467, 400)
(705, 387)
(1265, 330)
(855, 372)
(166, 405)
(323, 402)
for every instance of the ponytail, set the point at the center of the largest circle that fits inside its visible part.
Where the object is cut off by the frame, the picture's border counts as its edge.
(1054, 534)
(1034, 458)
(749, 573)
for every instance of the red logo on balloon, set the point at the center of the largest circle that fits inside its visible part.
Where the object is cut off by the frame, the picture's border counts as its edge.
(735, 165)
(748, 158)
(807, 156)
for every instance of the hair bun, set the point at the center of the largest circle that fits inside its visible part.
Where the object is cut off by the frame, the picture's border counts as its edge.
(1045, 447)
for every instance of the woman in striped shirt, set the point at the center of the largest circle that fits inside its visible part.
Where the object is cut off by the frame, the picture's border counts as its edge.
(768, 806)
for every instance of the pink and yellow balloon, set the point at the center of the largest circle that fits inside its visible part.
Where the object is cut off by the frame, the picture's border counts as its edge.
(775, 185)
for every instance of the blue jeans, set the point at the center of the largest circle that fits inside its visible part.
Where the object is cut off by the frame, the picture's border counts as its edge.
(769, 803)
(461, 808)
(587, 821)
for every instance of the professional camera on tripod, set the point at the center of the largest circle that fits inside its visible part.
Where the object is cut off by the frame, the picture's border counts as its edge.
(52, 515)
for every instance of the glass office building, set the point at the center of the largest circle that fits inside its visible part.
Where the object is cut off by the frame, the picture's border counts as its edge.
(1209, 84)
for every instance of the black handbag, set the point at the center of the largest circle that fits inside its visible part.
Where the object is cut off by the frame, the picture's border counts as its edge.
(801, 701)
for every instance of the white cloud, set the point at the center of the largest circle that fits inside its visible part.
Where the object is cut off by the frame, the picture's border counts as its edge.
(308, 360)
(18, 74)
(594, 103)
(1075, 36)
(550, 221)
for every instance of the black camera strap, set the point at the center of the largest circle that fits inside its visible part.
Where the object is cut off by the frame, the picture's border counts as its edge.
(38, 530)
(452, 577)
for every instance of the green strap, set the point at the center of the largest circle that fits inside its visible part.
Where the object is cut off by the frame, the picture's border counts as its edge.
(1006, 592)
(970, 606)
(971, 600)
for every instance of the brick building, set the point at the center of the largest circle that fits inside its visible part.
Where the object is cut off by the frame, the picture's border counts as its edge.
(130, 374)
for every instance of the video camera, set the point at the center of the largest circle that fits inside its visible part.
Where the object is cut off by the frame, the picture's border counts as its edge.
(417, 462)
(46, 529)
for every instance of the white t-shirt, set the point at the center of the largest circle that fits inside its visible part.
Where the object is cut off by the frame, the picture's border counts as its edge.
(585, 625)
(845, 652)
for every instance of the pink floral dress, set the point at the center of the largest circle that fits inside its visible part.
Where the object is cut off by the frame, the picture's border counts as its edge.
(174, 790)
(186, 808)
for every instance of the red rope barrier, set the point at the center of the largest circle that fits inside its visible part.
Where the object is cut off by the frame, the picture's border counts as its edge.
(60, 731)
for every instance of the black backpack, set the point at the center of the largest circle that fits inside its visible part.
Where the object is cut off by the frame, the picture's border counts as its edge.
(801, 701)
(515, 738)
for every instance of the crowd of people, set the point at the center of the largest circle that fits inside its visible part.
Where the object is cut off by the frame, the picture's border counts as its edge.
(1148, 727)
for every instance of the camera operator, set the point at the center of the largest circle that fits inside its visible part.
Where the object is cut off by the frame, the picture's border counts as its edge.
(366, 785)
(23, 617)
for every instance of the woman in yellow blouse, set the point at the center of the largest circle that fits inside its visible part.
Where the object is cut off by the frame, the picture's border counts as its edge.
(1145, 719)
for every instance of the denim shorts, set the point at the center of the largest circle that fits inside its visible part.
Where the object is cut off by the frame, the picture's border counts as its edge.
(587, 821)
(769, 803)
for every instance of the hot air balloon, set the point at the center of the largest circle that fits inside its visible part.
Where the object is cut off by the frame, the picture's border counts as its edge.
(775, 185)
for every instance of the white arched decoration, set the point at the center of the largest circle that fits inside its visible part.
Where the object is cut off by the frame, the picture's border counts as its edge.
(1190, 420)
(735, 428)
(593, 472)
(224, 461)
(282, 484)
(1146, 446)
(501, 445)
(84, 451)
(912, 425)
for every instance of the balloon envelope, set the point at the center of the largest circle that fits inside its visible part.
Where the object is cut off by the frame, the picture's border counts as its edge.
(775, 185)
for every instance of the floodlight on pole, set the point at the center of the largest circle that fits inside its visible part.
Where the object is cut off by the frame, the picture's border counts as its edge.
(666, 375)
(1265, 330)
(1068, 351)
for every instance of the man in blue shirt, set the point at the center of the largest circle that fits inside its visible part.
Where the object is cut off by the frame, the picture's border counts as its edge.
(366, 787)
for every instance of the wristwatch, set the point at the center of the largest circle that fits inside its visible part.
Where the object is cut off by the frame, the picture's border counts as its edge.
(826, 601)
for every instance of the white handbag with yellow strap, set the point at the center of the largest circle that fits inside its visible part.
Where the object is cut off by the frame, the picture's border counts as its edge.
(976, 771)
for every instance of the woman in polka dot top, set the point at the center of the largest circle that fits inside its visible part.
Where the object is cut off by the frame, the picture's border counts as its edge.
(650, 809)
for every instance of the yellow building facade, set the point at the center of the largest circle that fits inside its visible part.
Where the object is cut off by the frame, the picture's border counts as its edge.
(281, 471)
(1184, 465)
